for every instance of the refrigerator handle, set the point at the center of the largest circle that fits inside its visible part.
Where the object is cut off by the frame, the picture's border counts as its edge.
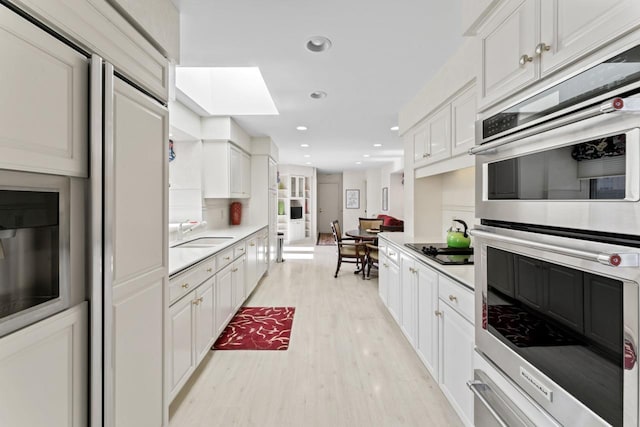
(94, 237)
(108, 218)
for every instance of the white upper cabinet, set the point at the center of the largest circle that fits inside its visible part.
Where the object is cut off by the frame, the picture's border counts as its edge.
(508, 42)
(572, 28)
(463, 118)
(526, 40)
(43, 101)
(226, 171)
(432, 138)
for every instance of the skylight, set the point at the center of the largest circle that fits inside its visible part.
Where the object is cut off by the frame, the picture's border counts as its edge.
(226, 91)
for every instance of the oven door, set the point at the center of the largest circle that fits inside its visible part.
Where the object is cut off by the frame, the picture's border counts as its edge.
(584, 175)
(561, 320)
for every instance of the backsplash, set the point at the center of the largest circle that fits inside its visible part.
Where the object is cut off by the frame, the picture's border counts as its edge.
(458, 198)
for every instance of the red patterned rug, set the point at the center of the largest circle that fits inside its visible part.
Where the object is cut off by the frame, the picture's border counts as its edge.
(257, 328)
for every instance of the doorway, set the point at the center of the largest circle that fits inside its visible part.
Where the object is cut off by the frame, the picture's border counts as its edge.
(329, 204)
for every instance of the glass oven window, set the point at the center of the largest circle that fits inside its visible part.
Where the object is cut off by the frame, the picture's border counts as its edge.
(565, 322)
(586, 171)
(29, 250)
(612, 74)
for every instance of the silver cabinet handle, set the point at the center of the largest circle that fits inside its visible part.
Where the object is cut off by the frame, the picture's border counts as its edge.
(184, 285)
(437, 313)
(425, 155)
(227, 258)
(453, 298)
(209, 270)
(541, 48)
(612, 260)
(385, 265)
(524, 59)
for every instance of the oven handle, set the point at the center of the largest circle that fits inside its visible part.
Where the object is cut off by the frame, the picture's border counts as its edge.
(608, 259)
(615, 104)
(474, 386)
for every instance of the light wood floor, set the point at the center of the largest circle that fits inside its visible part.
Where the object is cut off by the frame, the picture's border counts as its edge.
(348, 363)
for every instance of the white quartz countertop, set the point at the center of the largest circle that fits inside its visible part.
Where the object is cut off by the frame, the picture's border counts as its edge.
(461, 273)
(182, 258)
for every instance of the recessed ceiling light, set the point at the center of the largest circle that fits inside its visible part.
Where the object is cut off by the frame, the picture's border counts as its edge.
(308, 163)
(358, 163)
(377, 145)
(395, 128)
(318, 44)
(301, 128)
(304, 145)
(318, 94)
(307, 155)
(366, 155)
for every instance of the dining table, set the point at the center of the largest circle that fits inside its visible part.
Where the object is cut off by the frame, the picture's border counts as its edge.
(364, 236)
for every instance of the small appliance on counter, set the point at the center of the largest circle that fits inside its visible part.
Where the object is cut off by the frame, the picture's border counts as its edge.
(443, 254)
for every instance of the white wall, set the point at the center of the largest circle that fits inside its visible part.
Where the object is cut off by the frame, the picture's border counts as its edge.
(396, 195)
(374, 192)
(355, 181)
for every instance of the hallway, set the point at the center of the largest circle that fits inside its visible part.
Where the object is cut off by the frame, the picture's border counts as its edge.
(348, 363)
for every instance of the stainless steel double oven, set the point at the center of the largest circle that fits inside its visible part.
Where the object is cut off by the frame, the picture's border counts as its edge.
(558, 248)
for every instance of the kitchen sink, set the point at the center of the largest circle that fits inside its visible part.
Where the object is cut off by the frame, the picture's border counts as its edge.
(204, 242)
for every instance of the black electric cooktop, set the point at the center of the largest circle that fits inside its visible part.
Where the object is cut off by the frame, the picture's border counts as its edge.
(443, 254)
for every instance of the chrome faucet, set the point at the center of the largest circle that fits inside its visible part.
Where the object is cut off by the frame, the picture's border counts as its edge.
(187, 226)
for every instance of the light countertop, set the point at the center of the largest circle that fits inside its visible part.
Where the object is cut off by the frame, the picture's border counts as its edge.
(461, 273)
(182, 258)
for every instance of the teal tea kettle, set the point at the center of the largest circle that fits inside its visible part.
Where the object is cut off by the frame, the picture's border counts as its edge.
(457, 238)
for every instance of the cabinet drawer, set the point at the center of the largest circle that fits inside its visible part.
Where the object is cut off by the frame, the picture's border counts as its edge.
(187, 281)
(239, 250)
(224, 258)
(456, 296)
(393, 254)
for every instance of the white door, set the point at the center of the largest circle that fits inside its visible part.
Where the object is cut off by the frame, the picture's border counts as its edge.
(509, 37)
(136, 243)
(439, 135)
(329, 202)
(181, 331)
(408, 277)
(204, 323)
(223, 298)
(427, 337)
(571, 28)
(43, 101)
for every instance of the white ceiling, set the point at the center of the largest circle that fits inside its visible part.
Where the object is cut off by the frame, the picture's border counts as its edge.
(383, 52)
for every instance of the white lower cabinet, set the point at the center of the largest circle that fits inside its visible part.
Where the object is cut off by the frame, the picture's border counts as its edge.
(435, 313)
(408, 294)
(224, 298)
(43, 372)
(192, 333)
(238, 283)
(427, 340)
(456, 361)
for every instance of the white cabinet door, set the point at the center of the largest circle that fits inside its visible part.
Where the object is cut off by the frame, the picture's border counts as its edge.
(43, 101)
(136, 279)
(427, 339)
(509, 37)
(181, 334)
(224, 298)
(263, 257)
(43, 372)
(463, 119)
(237, 279)
(572, 28)
(204, 320)
(439, 135)
(408, 277)
(395, 302)
(251, 268)
(456, 361)
(383, 279)
(235, 171)
(246, 175)
(420, 142)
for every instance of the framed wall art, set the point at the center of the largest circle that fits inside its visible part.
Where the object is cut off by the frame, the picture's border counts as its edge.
(352, 198)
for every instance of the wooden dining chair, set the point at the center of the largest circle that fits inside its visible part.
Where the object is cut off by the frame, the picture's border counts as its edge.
(350, 251)
(370, 223)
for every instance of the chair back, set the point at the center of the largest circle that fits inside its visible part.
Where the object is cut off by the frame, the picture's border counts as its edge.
(366, 223)
(336, 230)
(391, 227)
